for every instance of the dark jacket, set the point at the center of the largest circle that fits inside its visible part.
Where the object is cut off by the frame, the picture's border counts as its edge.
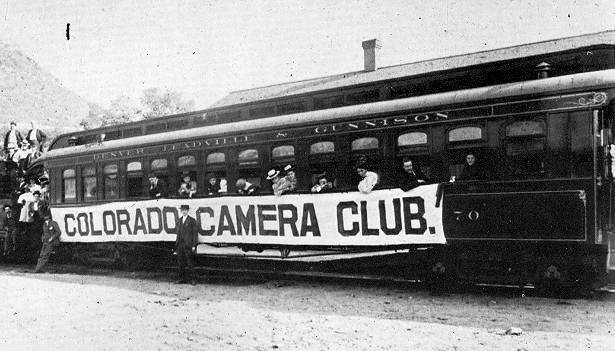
(212, 189)
(40, 135)
(6, 223)
(187, 233)
(51, 230)
(160, 188)
(17, 135)
(471, 173)
(42, 208)
(410, 181)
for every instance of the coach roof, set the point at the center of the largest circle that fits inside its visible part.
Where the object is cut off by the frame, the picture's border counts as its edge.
(555, 85)
(357, 78)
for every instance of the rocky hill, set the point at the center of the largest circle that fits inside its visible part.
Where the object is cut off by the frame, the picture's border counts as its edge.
(29, 93)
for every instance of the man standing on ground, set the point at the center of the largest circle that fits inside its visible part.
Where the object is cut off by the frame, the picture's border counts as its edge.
(51, 238)
(185, 245)
(8, 224)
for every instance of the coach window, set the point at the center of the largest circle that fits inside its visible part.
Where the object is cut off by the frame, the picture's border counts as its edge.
(463, 141)
(186, 165)
(283, 155)
(414, 146)
(215, 166)
(111, 183)
(69, 188)
(322, 161)
(134, 179)
(248, 166)
(88, 181)
(160, 167)
(525, 147)
(367, 148)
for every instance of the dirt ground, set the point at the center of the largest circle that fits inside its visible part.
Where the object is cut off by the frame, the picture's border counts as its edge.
(106, 310)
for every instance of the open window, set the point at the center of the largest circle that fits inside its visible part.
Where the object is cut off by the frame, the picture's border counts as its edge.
(186, 166)
(69, 185)
(215, 167)
(283, 155)
(134, 179)
(248, 166)
(415, 146)
(88, 183)
(322, 161)
(111, 182)
(367, 148)
(160, 167)
(525, 143)
(463, 141)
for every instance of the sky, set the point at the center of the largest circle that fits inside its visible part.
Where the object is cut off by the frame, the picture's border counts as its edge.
(206, 49)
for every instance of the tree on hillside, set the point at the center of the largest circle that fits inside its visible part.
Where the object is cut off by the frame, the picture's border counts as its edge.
(153, 103)
(157, 103)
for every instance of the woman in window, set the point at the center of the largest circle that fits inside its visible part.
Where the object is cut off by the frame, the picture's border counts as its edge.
(291, 177)
(370, 179)
(279, 184)
(213, 187)
(187, 189)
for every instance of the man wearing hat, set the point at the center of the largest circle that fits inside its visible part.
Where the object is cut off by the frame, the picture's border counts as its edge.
(291, 177)
(280, 185)
(50, 239)
(157, 187)
(187, 188)
(37, 210)
(185, 245)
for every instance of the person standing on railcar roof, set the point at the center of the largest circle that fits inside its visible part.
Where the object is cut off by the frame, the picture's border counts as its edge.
(12, 140)
(50, 239)
(185, 246)
(36, 137)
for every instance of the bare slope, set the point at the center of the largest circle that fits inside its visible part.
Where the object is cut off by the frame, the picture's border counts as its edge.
(29, 93)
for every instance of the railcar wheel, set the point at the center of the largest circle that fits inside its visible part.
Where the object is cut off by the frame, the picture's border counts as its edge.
(439, 277)
(549, 280)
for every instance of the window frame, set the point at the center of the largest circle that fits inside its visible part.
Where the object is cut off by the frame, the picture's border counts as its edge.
(106, 178)
(134, 175)
(63, 190)
(83, 183)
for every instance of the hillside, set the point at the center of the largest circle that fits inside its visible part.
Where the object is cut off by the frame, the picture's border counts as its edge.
(29, 93)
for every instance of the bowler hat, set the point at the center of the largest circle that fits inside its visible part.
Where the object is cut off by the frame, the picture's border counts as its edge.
(289, 168)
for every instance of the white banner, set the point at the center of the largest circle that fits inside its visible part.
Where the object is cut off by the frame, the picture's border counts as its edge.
(382, 218)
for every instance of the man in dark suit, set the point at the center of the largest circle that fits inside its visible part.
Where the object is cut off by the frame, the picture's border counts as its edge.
(12, 140)
(157, 187)
(50, 239)
(412, 176)
(185, 245)
(36, 137)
